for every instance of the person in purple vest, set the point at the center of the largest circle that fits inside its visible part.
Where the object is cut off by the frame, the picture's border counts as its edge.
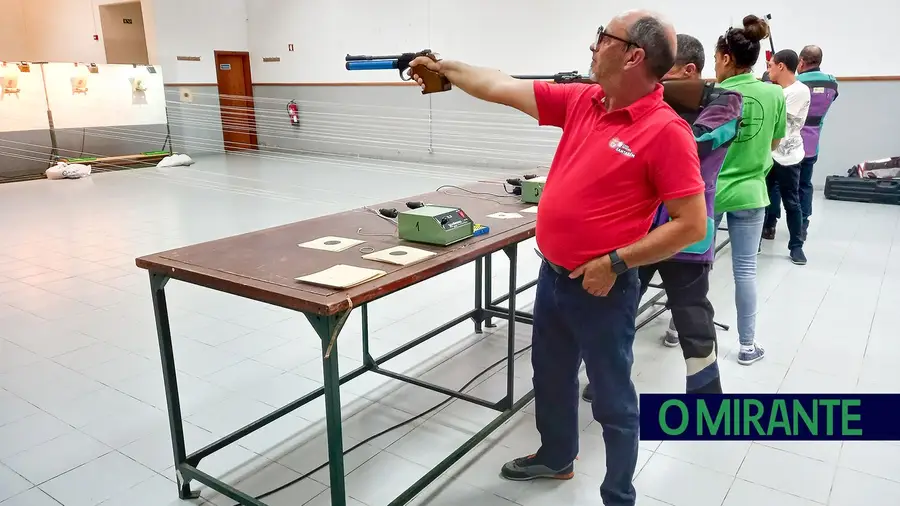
(685, 276)
(823, 92)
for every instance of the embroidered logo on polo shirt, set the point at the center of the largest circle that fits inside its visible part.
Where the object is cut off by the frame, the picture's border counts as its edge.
(621, 147)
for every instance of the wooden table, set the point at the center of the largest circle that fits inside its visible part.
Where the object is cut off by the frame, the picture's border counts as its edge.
(263, 265)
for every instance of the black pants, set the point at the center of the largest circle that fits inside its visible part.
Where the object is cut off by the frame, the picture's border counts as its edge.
(687, 286)
(784, 181)
(806, 187)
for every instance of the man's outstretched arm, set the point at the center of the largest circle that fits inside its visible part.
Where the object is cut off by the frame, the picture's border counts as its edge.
(485, 84)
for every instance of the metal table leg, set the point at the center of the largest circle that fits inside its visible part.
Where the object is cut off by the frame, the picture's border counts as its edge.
(328, 328)
(173, 403)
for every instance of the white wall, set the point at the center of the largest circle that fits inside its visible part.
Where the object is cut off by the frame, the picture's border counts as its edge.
(198, 28)
(538, 36)
(13, 42)
(61, 30)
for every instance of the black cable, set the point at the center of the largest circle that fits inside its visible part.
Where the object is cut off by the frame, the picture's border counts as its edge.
(395, 427)
(470, 191)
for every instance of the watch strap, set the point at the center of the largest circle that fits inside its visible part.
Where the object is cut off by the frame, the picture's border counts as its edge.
(618, 265)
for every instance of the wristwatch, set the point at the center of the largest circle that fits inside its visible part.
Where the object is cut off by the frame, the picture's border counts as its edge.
(618, 265)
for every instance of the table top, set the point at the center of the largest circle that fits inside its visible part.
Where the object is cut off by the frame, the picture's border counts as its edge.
(263, 265)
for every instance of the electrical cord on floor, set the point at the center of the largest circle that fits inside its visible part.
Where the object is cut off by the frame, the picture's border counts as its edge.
(394, 427)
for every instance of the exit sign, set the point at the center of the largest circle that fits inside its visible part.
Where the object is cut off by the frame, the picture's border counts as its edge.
(128, 21)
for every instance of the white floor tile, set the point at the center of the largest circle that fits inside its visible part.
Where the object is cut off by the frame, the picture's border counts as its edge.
(157, 491)
(369, 483)
(97, 481)
(852, 488)
(56, 456)
(33, 497)
(30, 432)
(876, 458)
(744, 493)
(722, 456)
(682, 484)
(786, 472)
(11, 483)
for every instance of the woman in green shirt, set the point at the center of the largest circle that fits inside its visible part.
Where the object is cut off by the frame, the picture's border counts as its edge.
(741, 192)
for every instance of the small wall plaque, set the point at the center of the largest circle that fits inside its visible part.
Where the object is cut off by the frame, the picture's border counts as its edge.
(187, 58)
(271, 59)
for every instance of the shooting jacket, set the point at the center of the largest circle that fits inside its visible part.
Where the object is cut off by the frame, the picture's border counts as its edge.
(715, 124)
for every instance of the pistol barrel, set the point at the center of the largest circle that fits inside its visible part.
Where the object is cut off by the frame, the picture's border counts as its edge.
(381, 64)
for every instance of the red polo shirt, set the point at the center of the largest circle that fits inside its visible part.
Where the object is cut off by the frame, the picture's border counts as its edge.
(610, 172)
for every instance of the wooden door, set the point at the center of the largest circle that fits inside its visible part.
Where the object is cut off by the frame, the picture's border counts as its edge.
(236, 100)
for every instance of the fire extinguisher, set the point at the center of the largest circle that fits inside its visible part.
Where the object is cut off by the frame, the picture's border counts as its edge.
(293, 113)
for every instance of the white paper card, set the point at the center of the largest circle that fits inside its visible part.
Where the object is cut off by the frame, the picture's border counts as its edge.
(532, 210)
(504, 216)
(399, 255)
(331, 243)
(342, 276)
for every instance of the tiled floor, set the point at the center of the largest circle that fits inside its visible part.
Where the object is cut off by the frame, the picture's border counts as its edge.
(82, 418)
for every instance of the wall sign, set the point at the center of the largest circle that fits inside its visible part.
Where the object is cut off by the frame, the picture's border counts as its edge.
(128, 21)
(271, 59)
(187, 58)
(225, 66)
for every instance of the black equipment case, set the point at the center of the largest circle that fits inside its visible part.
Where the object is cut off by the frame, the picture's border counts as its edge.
(875, 182)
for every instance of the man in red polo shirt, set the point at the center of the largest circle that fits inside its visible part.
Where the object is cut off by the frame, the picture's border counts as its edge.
(623, 151)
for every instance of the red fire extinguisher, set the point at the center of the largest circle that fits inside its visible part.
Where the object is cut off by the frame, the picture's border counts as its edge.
(293, 113)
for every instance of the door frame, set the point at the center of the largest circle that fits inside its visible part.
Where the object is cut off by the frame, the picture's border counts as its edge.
(248, 92)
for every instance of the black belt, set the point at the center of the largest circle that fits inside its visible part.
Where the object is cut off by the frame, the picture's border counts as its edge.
(562, 271)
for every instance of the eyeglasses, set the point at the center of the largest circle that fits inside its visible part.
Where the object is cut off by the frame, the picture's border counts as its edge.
(601, 34)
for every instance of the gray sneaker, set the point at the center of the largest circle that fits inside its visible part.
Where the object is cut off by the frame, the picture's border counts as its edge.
(671, 339)
(527, 468)
(747, 358)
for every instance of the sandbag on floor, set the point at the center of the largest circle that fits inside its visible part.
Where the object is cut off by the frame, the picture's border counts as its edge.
(63, 170)
(179, 160)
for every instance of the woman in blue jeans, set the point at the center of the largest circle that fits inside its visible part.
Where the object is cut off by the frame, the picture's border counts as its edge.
(741, 192)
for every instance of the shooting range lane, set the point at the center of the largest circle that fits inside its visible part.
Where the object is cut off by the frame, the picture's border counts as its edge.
(263, 265)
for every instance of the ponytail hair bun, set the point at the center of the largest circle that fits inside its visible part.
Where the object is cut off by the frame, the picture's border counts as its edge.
(755, 28)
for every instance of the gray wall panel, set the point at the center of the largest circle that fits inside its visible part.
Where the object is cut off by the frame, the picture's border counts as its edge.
(110, 141)
(24, 153)
(397, 122)
(196, 126)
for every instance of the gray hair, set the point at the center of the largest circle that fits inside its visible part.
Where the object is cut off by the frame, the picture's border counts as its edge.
(690, 50)
(651, 35)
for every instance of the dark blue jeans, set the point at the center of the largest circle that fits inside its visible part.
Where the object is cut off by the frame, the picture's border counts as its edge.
(570, 325)
(784, 181)
(805, 191)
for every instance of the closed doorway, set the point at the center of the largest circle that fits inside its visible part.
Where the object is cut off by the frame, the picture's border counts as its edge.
(123, 33)
(236, 100)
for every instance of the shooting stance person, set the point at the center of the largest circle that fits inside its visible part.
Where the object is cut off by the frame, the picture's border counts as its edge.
(784, 179)
(623, 151)
(685, 276)
(741, 189)
(823, 92)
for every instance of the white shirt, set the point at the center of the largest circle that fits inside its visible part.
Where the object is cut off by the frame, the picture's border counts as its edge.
(790, 150)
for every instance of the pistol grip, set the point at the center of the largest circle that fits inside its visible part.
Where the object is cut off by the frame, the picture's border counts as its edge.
(433, 82)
